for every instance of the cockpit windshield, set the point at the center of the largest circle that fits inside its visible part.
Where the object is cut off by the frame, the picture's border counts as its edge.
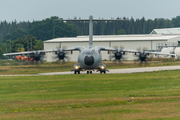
(88, 53)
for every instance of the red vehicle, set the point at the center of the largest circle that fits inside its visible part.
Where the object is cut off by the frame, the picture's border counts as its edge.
(18, 57)
(24, 58)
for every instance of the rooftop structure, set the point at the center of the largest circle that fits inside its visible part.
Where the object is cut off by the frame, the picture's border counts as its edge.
(113, 38)
(167, 31)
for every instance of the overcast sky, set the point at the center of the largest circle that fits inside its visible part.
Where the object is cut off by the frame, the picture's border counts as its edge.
(24, 10)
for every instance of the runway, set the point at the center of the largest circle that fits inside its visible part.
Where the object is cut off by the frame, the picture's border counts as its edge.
(118, 71)
(111, 71)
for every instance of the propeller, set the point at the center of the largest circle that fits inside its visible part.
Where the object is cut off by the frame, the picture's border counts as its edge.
(61, 55)
(118, 54)
(38, 56)
(142, 55)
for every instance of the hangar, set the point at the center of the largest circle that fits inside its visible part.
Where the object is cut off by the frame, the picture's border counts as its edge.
(167, 31)
(150, 41)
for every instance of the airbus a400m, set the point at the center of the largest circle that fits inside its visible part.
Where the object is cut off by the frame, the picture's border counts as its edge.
(89, 57)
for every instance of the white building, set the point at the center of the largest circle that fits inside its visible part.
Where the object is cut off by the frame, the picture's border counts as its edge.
(149, 41)
(166, 31)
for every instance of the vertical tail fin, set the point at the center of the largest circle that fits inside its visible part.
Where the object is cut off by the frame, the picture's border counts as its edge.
(90, 30)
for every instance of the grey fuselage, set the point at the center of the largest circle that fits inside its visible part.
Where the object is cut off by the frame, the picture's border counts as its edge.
(89, 57)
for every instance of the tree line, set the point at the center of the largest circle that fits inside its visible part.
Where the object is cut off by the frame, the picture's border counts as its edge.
(19, 33)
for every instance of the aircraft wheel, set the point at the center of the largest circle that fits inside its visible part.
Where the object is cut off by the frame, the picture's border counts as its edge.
(87, 72)
(90, 72)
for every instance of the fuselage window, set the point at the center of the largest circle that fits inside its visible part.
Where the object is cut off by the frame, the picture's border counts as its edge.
(88, 53)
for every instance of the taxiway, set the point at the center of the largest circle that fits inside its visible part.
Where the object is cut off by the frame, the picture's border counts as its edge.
(117, 71)
(111, 71)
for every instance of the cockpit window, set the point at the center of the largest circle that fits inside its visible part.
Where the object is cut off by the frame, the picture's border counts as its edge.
(88, 53)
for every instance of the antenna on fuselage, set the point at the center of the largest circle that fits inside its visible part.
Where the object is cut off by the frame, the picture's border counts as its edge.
(90, 25)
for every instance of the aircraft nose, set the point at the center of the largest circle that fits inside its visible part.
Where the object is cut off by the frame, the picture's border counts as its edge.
(89, 60)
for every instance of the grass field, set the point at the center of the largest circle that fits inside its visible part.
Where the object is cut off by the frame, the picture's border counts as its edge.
(98, 96)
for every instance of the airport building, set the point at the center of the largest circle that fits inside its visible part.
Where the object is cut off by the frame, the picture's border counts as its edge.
(149, 41)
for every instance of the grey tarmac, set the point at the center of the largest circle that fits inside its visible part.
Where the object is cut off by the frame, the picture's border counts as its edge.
(121, 71)
(111, 71)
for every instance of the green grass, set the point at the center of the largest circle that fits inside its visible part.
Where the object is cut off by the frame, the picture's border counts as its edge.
(98, 96)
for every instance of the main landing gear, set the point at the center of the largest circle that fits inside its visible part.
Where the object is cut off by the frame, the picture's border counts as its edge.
(103, 72)
(78, 72)
(90, 72)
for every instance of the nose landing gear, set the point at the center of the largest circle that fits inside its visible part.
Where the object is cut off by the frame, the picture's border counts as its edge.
(89, 72)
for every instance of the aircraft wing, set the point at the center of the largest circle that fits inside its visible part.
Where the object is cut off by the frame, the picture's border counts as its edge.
(70, 48)
(18, 53)
(27, 52)
(102, 48)
(113, 49)
(160, 53)
(44, 51)
(148, 52)
(132, 51)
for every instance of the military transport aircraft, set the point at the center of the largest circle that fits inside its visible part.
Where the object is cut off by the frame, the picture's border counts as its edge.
(89, 58)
